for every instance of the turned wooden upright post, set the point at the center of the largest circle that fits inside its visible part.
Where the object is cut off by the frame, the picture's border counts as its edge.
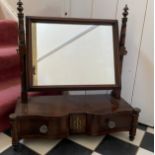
(116, 92)
(22, 52)
(123, 50)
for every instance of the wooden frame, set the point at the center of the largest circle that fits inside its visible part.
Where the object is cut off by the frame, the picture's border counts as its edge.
(23, 56)
(113, 23)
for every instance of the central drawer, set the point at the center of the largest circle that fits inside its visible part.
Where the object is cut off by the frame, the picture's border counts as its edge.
(77, 123)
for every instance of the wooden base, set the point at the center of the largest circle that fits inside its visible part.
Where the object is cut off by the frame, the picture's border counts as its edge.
(60, 116)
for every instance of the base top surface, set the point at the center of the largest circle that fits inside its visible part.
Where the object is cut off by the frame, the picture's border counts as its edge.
(64, 105)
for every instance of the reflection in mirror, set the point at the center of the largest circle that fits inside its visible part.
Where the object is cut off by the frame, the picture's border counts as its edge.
(69, 54)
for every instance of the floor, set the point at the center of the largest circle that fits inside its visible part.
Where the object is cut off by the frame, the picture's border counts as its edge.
(115, 144)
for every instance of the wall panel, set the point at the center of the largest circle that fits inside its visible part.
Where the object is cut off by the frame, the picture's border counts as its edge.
(143, 93)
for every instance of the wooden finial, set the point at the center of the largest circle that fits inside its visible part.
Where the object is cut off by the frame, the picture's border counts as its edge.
(125, 13)
(123, 50)
(21, 25)
(20, 7)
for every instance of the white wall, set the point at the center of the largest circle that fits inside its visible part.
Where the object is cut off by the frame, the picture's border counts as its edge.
(105, 9)
(7, 11)
(40, 7)
(85, 7)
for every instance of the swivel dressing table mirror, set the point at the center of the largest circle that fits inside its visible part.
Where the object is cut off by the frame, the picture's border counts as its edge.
(59, 54)
(72, 54)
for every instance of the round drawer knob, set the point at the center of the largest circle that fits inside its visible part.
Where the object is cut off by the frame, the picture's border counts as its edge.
(43, 129)
(111, 124)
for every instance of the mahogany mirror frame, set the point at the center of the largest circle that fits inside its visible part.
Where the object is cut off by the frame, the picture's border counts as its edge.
(113, 23)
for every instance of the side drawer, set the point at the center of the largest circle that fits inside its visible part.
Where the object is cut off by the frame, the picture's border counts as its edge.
(99, 124)
(44, 127)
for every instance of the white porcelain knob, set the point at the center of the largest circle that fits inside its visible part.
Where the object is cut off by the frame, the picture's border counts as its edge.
(111, 124)
(43, 129)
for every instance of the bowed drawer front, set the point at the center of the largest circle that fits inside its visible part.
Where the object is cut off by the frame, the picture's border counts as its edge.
(44, 127)
(61, 116)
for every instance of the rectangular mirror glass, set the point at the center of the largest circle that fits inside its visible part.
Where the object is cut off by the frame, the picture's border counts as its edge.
(72, 54)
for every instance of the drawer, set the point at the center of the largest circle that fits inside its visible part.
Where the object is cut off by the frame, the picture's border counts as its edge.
(99, 124)
(51, 127)
(34, 126)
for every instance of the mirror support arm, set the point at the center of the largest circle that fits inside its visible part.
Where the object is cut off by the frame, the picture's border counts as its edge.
(116, 92)
(122, 47)
(22, 51)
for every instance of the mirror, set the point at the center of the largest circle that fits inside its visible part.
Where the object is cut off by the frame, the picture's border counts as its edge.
(72, 53)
